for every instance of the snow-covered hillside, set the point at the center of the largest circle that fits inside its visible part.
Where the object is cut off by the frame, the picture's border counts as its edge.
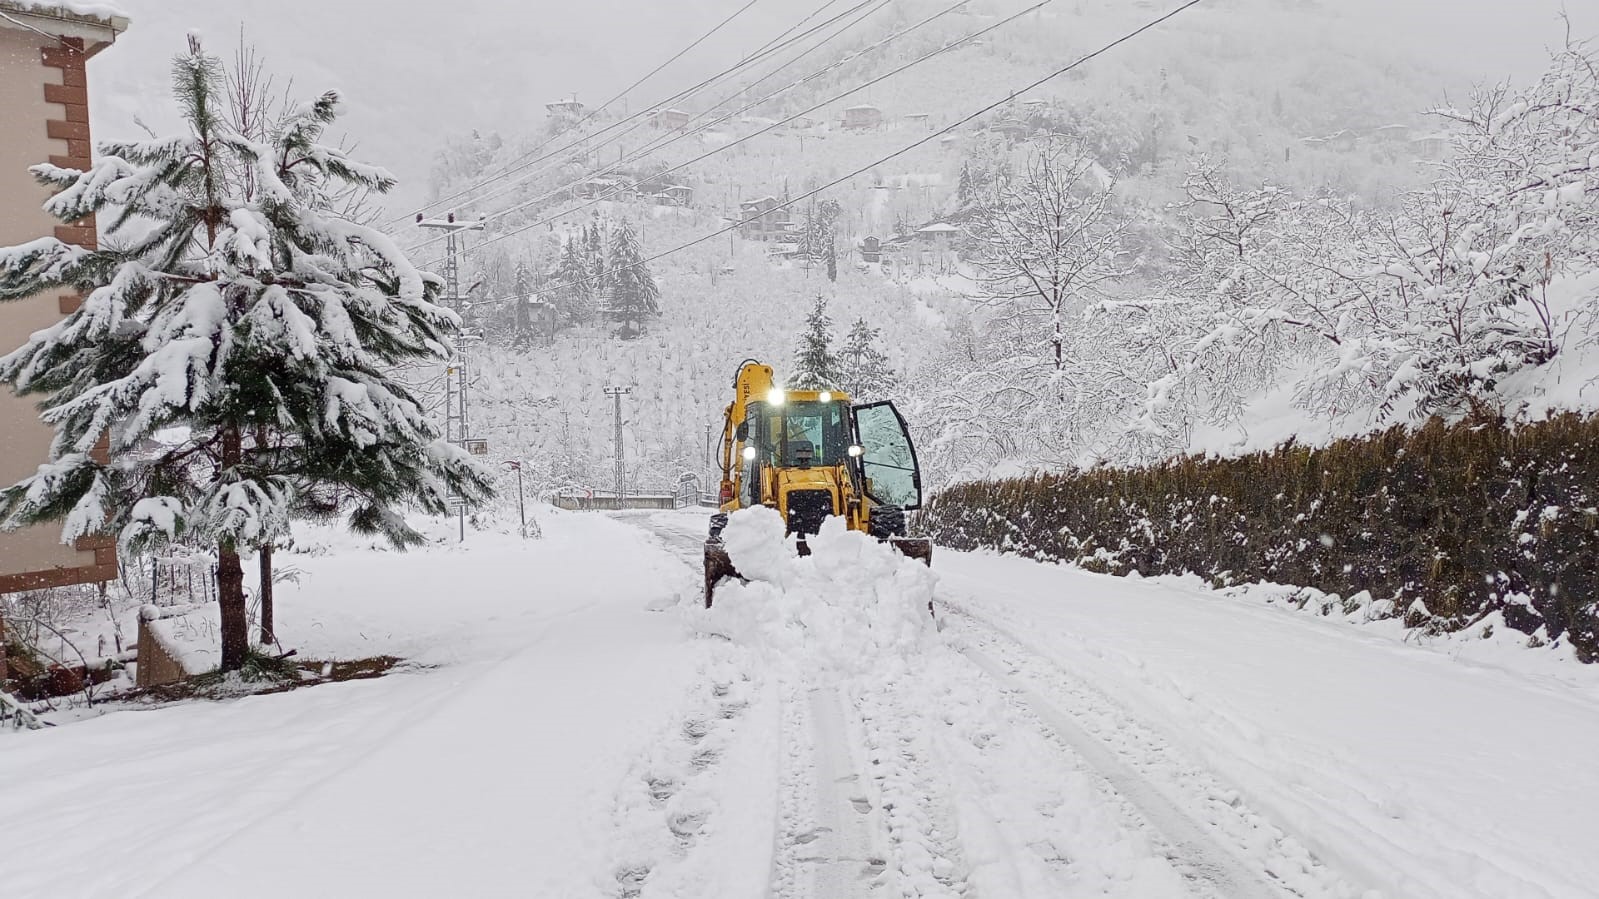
(1264, 85)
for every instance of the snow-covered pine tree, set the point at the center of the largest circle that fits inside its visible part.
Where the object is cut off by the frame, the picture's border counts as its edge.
(864, 372)
(522, 307)
(246, 323)
(574, 283)
(632, 295)
(815, 366)
(594, 256)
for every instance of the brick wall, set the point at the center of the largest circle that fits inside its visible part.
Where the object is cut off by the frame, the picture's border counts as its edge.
(45, 104)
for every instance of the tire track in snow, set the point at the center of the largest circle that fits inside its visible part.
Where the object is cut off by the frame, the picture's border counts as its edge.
(1215, 838)
(832, 834)
(925, 858)
(913, 777)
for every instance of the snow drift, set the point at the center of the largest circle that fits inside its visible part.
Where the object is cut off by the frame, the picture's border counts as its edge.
(851, 605)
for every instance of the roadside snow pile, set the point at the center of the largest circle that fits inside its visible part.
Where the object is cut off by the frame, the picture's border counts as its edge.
(850, 606)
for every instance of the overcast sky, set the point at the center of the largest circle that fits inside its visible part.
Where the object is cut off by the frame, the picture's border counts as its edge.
(415, 71)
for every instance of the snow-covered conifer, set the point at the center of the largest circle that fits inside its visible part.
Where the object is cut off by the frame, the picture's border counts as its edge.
(631, 295)
(574, 283)
(815, 366)
(864, 372)
(236, 316)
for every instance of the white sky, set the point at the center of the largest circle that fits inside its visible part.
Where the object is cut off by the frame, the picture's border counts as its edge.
(413, 72)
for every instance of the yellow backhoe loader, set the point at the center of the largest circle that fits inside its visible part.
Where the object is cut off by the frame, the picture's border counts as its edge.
(810, 454)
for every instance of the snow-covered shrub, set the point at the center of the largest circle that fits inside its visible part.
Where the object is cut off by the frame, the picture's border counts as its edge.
(1445, 525)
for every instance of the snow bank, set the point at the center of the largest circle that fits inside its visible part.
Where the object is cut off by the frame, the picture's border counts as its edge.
(850, 606)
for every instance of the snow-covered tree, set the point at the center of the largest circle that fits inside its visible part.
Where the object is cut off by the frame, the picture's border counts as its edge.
(1050, 241)
(631, 294)
(239, 319)
(864, 372)
(820, 230)
(815, 366)
(522, 297)
(597, 259)
(574, 287)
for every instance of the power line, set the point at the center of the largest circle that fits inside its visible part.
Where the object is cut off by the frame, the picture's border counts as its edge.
(800, 24)
(954, 45)
(516, 165)
(665, 140)
(897, 153)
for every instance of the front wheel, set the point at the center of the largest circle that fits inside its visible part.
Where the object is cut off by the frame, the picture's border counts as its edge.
(886, 522)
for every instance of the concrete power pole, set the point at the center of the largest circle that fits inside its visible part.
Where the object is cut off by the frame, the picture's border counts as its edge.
(457, 427)
(616, 393)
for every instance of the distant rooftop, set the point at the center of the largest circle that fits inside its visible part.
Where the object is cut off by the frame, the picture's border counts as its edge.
(99, 13)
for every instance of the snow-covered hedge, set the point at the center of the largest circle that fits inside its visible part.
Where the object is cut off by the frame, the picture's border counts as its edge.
(1447, 523)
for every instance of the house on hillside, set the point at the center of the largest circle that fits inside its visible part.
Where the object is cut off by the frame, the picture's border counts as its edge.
(871, 249)
(674, 195)
(568, 109)
(1392, 134)
(936, 236)
(1011, 130)
(863, 116)
(670, 119)
(764, 218)
(603, 189)
(1432, 147)
(539, 319)
(44, 117)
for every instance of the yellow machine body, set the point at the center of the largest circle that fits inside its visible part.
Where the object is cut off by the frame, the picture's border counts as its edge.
(801, 453)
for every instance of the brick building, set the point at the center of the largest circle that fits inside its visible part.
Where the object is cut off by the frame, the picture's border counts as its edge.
(44, 105)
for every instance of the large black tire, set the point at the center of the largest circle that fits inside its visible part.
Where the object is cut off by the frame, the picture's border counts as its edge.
(886, 522)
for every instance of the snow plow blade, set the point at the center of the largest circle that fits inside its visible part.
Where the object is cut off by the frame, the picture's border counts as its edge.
(719, 565)
(919, 548)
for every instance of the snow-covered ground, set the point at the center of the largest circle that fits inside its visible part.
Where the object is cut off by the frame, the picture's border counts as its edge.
(577, 726)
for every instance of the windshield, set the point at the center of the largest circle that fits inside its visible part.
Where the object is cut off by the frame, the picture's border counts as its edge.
(801, 433)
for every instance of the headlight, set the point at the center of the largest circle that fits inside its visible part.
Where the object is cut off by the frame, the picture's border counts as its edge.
(749, 454)
(775, 396)
(826, 397)
(856, 451)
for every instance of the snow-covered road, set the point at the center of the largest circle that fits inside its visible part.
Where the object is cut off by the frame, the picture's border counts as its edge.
(585, 731)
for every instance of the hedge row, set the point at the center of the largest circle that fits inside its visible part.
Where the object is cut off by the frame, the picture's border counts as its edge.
(1451, 522)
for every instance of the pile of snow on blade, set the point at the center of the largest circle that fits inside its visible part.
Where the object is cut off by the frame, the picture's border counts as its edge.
(852, 605)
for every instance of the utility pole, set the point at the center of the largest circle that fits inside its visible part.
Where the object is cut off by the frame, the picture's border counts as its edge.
(616, 393)
(457, 427)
